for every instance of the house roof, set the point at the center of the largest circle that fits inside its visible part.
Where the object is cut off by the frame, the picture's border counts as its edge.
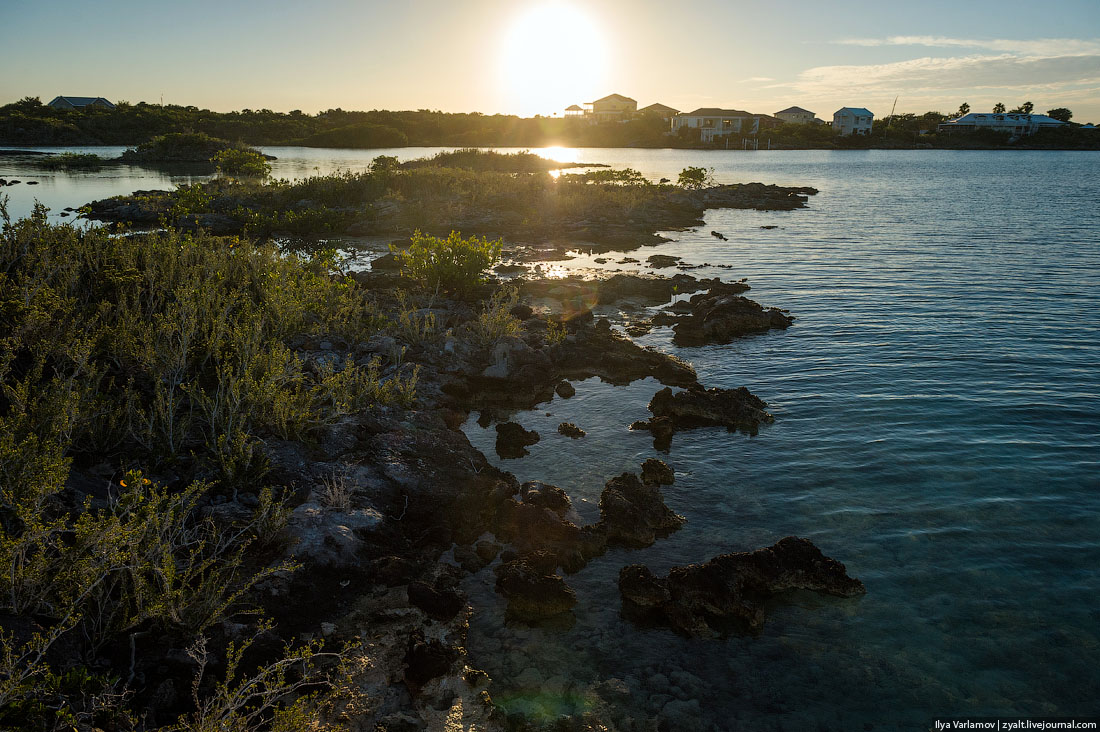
(574, 108)
(80, 101)
(794, 110)
(1035, 119)
(716, 112)
(658, 107)
(854, 110)
(614, 98)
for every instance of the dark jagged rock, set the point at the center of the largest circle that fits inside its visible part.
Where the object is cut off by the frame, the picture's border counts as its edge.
(564, 389)
(513, 439)
(735, 409)
(656, 471)
(700, 599)
(532, 592)
(439, 604)
(634, 514)
(660, 261)
(426, 660)
(544, 495)
(571, 430)
(521, 311)
(662, 429)
(721, 315)
(718, 235)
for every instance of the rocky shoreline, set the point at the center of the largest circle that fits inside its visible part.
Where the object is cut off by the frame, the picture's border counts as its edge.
(394, 508)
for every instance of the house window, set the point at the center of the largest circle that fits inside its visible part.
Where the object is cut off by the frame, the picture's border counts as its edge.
(708, 123)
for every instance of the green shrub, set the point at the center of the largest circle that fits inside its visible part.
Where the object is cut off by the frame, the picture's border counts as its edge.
(496, 320)
(241, 163)
(453, 264)
(72, 161)
(692, 177)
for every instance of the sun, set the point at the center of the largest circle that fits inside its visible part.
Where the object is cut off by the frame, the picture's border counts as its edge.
(553, 55)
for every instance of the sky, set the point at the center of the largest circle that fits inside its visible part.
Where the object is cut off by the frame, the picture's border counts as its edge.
(539, 56)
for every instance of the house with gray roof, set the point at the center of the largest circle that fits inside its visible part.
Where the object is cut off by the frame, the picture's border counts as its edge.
(71, 103)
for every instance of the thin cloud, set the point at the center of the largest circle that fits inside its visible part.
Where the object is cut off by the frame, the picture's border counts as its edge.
(758, 79)
(1030, 47)
(929, 74)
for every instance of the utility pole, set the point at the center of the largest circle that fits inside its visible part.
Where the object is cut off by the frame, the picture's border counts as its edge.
(889, 119)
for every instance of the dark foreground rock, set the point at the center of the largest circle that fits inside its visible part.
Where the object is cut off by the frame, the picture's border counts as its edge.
(720, 315)
(634, 514)
(734, 409)
(533, 592)
(700, 599)
(513, 440)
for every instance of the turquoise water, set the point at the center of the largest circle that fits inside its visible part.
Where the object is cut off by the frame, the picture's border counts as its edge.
(937, 429)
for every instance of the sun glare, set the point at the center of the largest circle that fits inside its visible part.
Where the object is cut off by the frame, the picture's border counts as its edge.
(553, 56)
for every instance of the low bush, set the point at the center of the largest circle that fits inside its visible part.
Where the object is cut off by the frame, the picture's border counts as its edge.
(239, 163)
(453, 264)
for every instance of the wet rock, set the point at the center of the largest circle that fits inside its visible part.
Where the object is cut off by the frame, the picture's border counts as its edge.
(513, 440)
(656, 471)
(718, 235)
(468, 558)
(660, 261)
(544, 495)
(662, 429)
(487, 550)
(564, 389)
(734, 409)
(532, 593)
(571, 430)
(649, 288)
(438, 604)
(721, 315)
(634, 514)
(702, 599)
(389, 262)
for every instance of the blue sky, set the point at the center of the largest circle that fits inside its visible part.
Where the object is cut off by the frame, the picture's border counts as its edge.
(526, 56)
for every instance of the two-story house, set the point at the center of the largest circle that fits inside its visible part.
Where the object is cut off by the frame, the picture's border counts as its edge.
(852, 121)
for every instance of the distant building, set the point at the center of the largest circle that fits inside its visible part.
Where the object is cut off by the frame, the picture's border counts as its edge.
(713, 122)
(70, 103)
(611, 108)
(574, 110)
(852, 121)
(798, 116)
(1014, 124)
(658, 110)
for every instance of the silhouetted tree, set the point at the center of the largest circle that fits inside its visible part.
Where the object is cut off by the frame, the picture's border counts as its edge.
(1060, 113)
(999, 108)
(1024, 108)
(964, 108)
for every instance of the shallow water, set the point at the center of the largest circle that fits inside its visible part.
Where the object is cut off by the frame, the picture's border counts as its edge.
(937, 429)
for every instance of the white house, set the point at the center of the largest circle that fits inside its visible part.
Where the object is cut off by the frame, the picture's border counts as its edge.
(713, 122)
(69, 103)
(798, 116)
(1014, 124)
(852, 121)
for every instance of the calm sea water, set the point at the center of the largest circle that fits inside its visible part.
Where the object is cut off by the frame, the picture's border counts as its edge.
(937, 429)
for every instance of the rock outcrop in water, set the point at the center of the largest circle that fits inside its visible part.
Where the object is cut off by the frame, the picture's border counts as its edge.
(735, 409)
(720, 315)
(513, 440)
(702, 599)
(634, 514)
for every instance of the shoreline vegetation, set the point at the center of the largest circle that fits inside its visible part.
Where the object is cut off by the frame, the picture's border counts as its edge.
(28, 122)
(229, 469)
(194, 152)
